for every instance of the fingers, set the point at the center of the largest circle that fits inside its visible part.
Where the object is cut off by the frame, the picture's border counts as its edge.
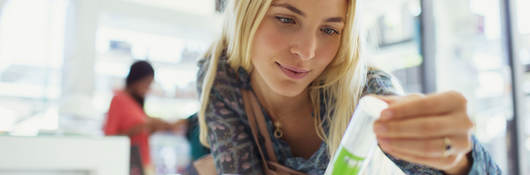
(417, 105)
(414, 128)
(395, 99)
(423, 127)
(442, 163)
(427, 147)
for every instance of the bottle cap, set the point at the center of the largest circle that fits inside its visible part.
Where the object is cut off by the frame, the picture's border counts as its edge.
(372, 106)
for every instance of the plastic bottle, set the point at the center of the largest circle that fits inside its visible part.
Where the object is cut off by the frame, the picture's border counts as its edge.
(359, 141)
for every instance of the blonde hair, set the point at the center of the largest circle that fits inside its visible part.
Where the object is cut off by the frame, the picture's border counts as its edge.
(340, 85)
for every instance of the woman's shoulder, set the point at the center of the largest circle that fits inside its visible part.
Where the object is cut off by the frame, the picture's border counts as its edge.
(381, 83)
(225, 74)
(121, 98)
(227, 83)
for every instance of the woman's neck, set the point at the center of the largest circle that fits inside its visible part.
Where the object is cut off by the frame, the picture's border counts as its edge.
(139, 99)
(276, 104)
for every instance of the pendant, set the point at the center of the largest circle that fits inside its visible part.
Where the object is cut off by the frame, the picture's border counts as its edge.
(278, 133)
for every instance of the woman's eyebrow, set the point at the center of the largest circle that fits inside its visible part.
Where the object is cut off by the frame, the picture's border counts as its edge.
(335, 19)
(289, 7)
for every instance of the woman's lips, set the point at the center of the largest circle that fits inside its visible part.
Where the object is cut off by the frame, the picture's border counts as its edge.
(293, 72)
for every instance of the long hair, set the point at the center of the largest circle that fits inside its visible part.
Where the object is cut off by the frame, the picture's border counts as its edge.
(339, 86)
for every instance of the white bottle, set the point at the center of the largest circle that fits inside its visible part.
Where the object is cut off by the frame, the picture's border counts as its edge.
(359, 140)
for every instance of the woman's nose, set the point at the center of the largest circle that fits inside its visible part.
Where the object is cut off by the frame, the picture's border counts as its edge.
(304, 46)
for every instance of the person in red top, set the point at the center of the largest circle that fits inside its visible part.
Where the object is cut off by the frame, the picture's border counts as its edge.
(126, 115)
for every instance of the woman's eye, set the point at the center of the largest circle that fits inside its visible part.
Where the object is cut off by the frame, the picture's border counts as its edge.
(329, 31)
(285, 20)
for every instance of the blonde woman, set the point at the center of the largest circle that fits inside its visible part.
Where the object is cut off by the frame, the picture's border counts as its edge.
(300, 58)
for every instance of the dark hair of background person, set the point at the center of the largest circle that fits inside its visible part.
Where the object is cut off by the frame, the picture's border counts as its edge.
(138, 71)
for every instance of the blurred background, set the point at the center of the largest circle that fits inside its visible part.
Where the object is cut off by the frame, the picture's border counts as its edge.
(61, 61)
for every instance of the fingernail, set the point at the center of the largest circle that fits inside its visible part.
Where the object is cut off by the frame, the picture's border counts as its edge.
(382, 141)
(384, 145)
(386, 114)
(379, 128)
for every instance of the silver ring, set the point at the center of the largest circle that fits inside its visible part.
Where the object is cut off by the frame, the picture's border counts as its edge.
(447, 147)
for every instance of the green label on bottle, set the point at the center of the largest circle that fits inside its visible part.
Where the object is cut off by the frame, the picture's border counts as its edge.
(347, 163)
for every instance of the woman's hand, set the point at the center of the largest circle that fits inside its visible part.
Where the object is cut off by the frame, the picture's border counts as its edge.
(180, 126)
(432, 130)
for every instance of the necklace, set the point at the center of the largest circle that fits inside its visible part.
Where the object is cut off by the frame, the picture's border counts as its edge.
(278, 133)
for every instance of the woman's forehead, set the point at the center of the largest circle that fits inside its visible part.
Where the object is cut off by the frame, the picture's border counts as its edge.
(324, 8)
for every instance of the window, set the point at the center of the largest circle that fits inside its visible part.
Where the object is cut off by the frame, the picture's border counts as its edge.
(393, 40)
(31, 58)
(522, 52)
(471, 58)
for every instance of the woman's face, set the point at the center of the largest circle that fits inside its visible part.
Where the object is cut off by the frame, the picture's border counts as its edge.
(295, 42)
(142, 86)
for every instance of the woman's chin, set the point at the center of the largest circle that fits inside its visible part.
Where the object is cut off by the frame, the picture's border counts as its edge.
(289, 91)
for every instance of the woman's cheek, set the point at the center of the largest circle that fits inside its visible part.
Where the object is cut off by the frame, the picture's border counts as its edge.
(277, 37)
(269, 39)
